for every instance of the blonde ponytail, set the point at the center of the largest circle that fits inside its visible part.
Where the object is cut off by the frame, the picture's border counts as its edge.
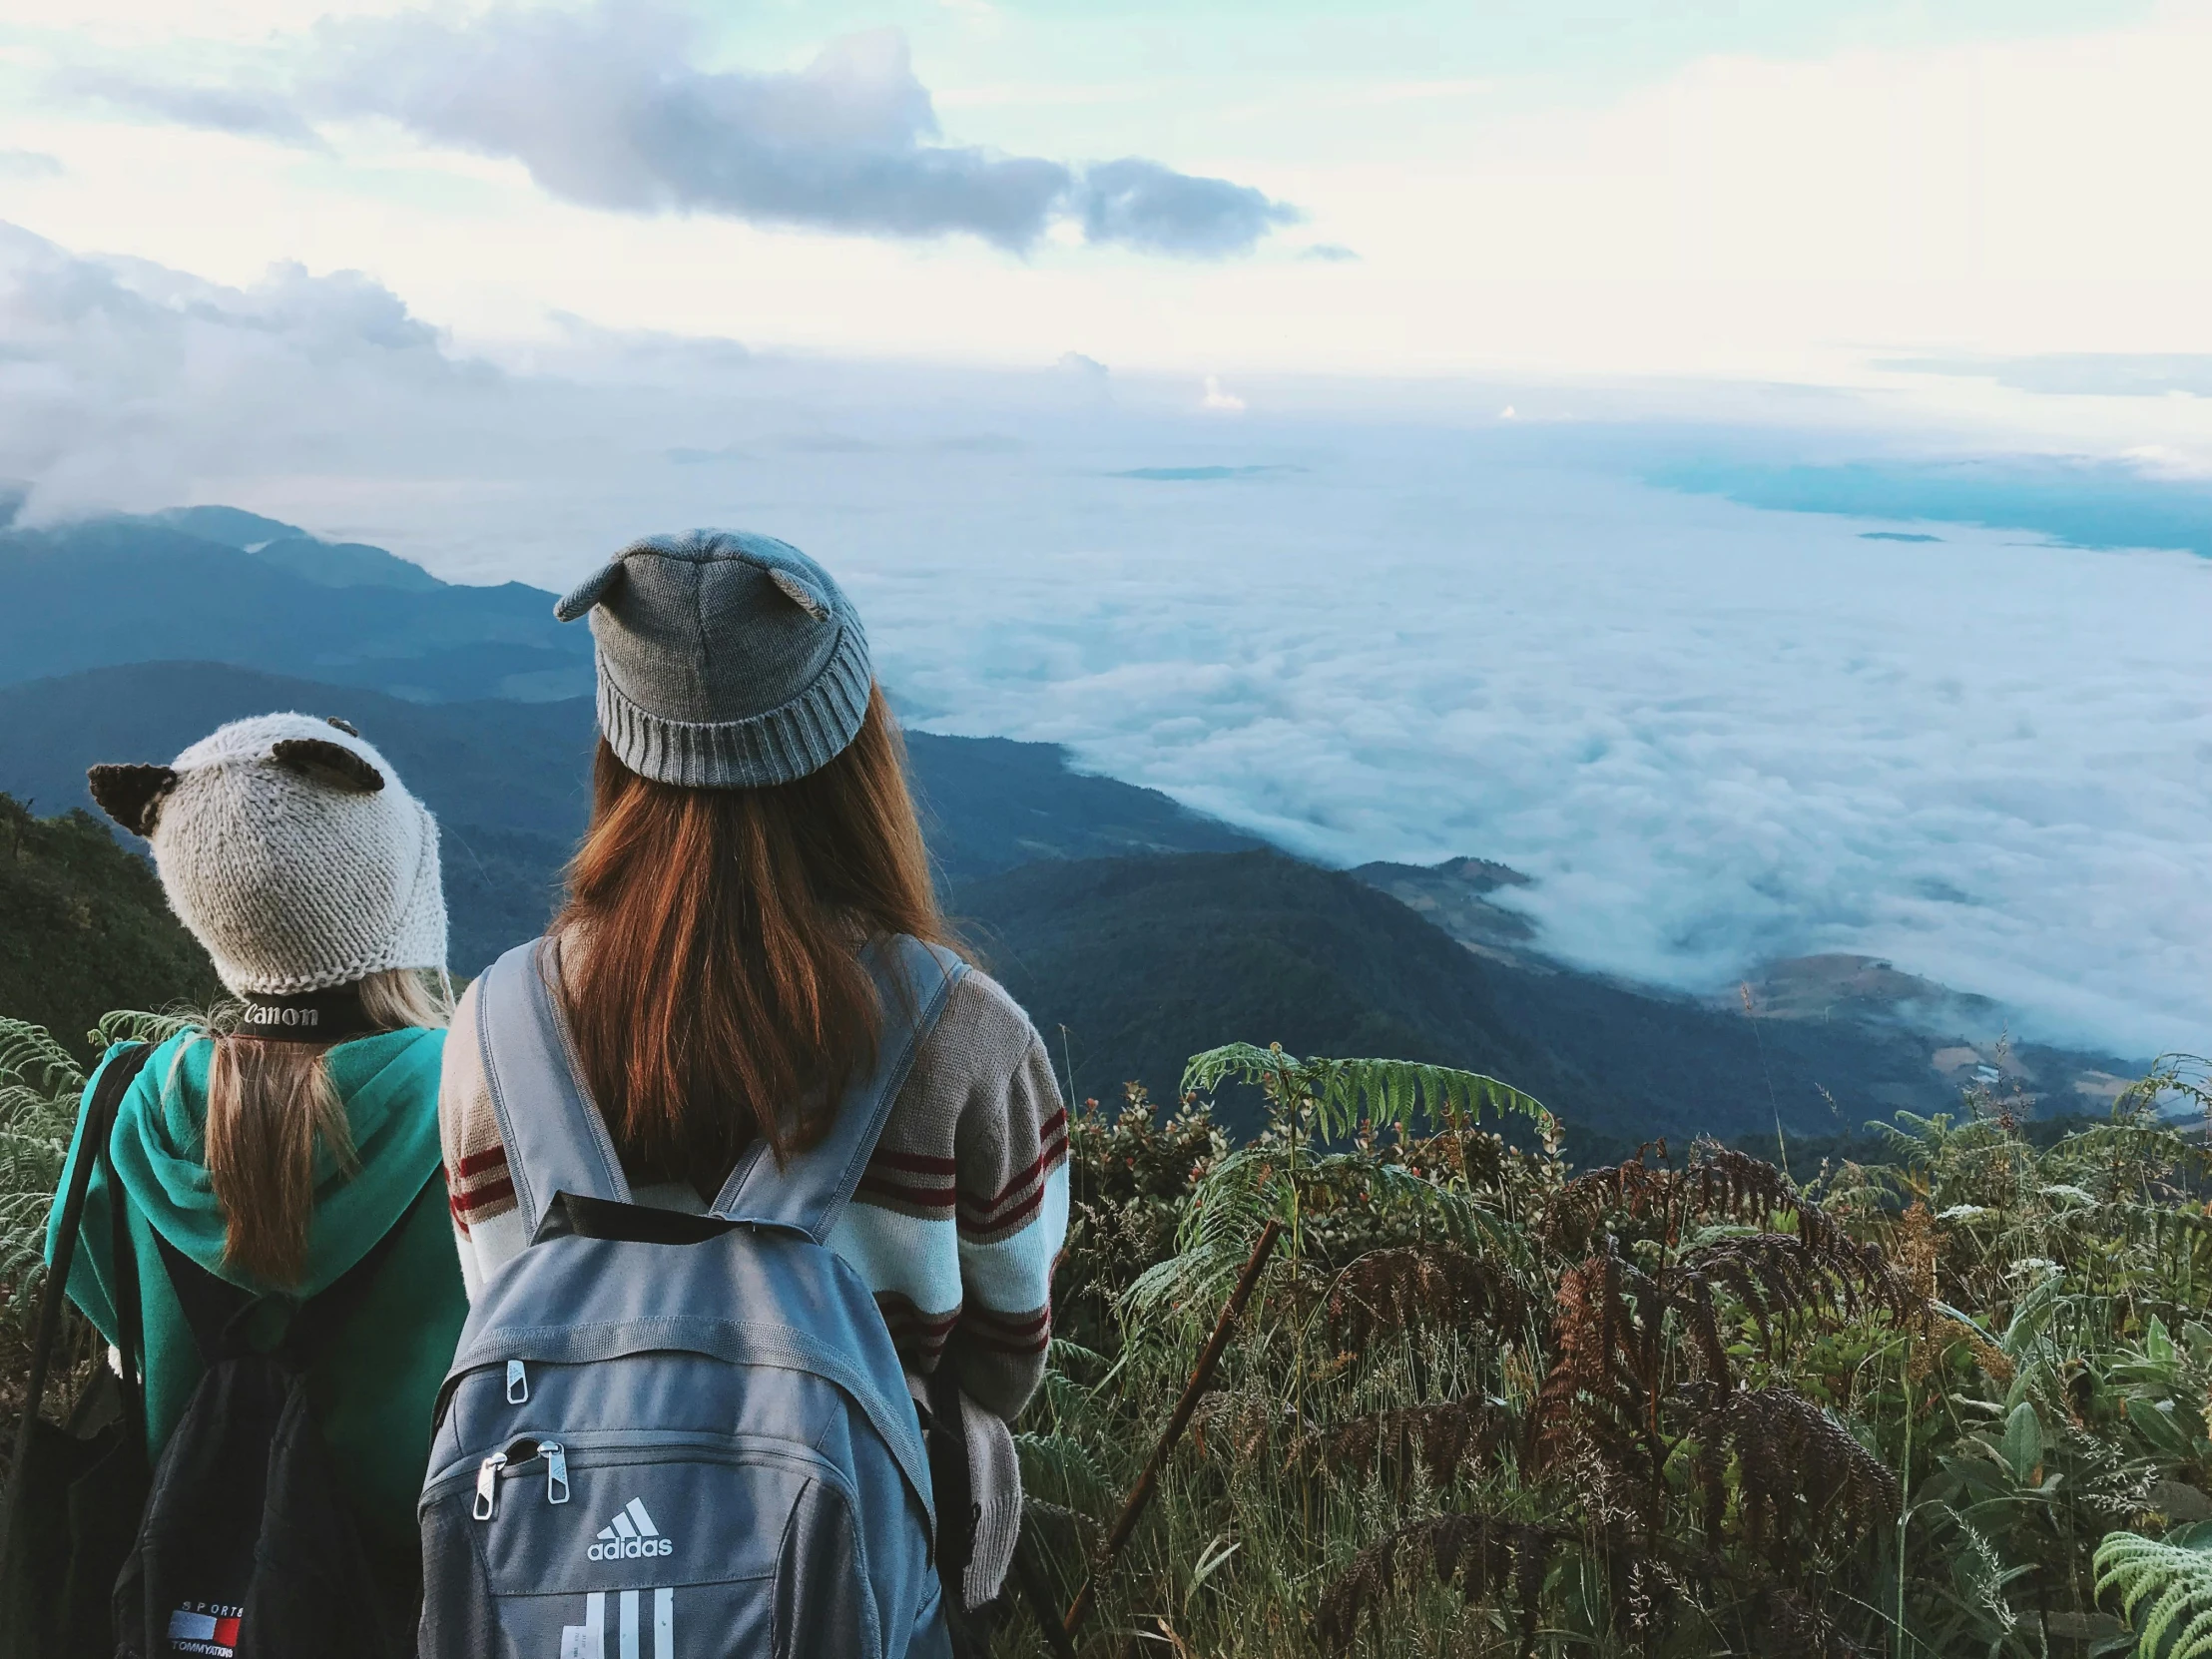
(270, 1105)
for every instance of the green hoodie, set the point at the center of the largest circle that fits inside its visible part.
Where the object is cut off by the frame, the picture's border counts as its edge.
(375, 1383)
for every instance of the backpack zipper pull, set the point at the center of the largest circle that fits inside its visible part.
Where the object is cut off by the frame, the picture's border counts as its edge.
(556, 1472)
(488, 1484)
(518, 1383)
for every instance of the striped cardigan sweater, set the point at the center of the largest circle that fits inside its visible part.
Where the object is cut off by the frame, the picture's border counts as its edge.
(957, 1220)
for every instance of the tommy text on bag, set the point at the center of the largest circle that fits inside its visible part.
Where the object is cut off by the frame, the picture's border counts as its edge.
(213, 1631)
(589, 1639)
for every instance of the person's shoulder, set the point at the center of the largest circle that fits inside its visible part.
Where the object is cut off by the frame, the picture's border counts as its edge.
(980, 1004)
(151, 1059)
(982, 1041)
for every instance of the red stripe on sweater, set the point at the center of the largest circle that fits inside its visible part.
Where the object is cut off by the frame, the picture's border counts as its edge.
(982, 1217)
(464, 1204)
(922, 1197)
(478, 1162)
(910, 1322)
(1011, 1221)
(1007, 1325)
(1052, 1137)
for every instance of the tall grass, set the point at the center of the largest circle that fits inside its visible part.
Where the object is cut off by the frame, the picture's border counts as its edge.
(1488, 1405)
(1483, 1403)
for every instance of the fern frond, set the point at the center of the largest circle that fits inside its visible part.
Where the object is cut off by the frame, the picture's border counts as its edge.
(1401, 1092)
(29, 1055)
(1243, 1063)
(1348, 1092)
(1238, 1197)
(131, 1025)
(1389, 1291)
(1495, 1560)
(2175, 1579)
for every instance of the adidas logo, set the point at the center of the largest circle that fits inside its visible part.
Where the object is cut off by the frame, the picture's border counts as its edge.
(589, 1639)
(628, 1535)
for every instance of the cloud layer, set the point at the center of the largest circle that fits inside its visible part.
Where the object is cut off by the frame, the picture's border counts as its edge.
(609, 108)
(1714, 732)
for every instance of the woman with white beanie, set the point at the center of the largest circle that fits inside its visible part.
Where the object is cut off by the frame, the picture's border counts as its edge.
(271, 1148)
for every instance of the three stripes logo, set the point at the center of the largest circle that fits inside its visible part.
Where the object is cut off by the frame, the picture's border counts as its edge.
(589, 1639)
(630, 1535)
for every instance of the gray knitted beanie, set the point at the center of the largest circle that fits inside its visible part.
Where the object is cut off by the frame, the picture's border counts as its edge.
(289, 847)
(725, 659)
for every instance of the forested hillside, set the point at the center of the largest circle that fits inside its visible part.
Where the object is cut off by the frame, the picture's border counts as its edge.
(128, 591)
(1131, 965)
(84, 928)
(511, 781)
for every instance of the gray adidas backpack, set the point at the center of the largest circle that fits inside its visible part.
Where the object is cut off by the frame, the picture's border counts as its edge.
(669, 1435)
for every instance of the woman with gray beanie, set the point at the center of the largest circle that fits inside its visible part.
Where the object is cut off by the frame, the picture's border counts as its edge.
(752, 846)
(263, 1152)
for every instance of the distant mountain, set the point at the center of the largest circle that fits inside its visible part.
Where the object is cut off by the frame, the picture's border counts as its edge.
(84, 928)
(509, 781)
(478, 697)
(329, 564)
(990, 804)
(1455, 895)
(117, 591)
(1130, 966)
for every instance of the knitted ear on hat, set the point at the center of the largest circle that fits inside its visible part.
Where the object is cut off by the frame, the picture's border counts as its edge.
(329, 763)
(800, 592)
(590, 591)
(132, 795)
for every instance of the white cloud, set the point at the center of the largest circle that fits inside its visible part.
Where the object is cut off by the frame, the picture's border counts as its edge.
(1712, 733)
(609, 105)
(1220, 398)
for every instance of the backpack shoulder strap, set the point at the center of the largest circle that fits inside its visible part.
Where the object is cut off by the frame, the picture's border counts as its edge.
(555, 1138)
(116, 1078)
(810, 1193)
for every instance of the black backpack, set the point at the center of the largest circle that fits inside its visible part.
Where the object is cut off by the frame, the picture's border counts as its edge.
(248, 1549)
(74, 1494)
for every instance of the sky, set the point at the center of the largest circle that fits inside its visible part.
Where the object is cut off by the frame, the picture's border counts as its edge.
(1749, 465)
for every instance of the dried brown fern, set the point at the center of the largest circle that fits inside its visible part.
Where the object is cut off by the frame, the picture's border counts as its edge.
(1814, 1272)
(1439, 1440)
(1801, 1480)
(1717, 1185)
(1493, 1560)
(1599, 1410)
(1427, 1284)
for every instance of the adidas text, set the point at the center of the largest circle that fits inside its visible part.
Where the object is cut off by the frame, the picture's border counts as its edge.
(621, 1549)
(630, 1537)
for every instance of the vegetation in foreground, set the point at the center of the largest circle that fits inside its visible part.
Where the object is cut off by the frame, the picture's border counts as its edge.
(1955, 1403)
(1952, 1403)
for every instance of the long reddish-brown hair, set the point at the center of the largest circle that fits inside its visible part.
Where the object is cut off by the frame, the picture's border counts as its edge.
(710, 967)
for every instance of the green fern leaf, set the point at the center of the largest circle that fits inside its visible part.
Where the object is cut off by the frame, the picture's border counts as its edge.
(2174, 1579)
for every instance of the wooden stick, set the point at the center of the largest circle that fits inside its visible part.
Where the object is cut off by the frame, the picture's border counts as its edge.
(1140, 1494)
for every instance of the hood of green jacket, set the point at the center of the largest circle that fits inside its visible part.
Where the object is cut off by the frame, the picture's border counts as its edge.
(161, 1148)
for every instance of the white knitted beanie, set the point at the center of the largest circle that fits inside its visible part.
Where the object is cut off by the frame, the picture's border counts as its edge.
(292, 852)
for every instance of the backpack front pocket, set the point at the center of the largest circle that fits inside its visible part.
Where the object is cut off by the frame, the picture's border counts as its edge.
(651, 1547)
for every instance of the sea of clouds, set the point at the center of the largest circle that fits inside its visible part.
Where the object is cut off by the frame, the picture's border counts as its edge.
(1367, 622)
